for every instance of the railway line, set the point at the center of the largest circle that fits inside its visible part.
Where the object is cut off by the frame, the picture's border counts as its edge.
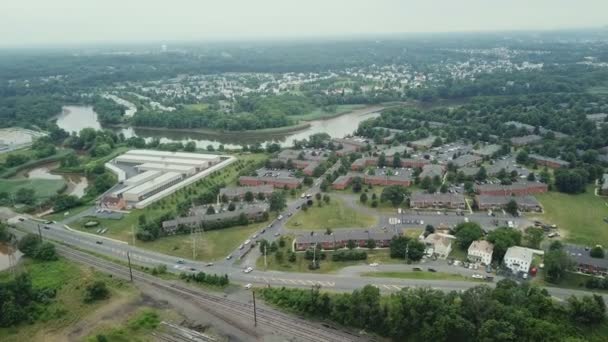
(223, 307)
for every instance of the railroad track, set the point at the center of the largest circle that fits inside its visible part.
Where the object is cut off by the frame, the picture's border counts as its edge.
(226, 308)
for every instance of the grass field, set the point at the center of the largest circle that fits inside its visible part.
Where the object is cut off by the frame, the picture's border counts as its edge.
(68, 308)
(578, 217)
(319, 113)
(333, 215)
(197, 106)
(418, 275)
(44, 188)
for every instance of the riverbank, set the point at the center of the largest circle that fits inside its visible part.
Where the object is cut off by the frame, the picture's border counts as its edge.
(210, 132)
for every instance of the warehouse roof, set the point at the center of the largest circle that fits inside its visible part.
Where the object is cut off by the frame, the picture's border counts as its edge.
(167, 154)
(154, 183)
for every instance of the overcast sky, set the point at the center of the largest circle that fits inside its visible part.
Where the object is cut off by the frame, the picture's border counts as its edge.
(50, 22)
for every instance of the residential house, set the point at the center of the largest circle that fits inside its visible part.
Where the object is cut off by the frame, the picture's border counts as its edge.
(467, 160)
(553, 163)
(525, 140)
(519, 259)
(277, 182)
(480, 251)
(431, 171)
(423, 200)
(439, 245)
(240, 191)
(493, 202)
(515, 189)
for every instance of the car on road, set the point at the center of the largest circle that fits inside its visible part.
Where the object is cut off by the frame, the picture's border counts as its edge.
(192, 269)
(46, 227)
(298, 207)
(99, 242)
(248, 269)
(417, 269)
(48, 222)
(247, 242)
(432, 269)
(181, 261)
(477, 276)
(241, 246)
(277, 234)
(254, 236)
(280, 217)
(248, 286)
(263, 231)
(229, 257)
(21, 219)
(289, 215)
(374, 264)
(209, 264)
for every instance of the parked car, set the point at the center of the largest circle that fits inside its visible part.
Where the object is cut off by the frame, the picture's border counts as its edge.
(477, 276)
(417, 269)
(432, 269)
(181, 261)
(374, 264)
(248, 286)
(99, 242)
(248, 269)
(209, 264)
(229, 257)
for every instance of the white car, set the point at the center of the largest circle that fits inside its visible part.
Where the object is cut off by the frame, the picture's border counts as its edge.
(248, 286)
(241, 246)
(374, 264)
(477, 276)
(280, 217)
(247, 242)
(254, 236)
(248, 269)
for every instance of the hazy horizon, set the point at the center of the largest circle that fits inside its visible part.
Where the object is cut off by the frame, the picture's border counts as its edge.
(66, 22)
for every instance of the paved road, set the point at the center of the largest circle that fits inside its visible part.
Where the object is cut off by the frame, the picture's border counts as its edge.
(335, 282)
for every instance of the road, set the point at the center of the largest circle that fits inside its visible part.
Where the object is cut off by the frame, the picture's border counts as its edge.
(335, 282)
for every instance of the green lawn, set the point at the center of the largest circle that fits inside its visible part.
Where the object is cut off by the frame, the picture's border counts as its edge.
(578, 217)
(44, 188)
(197, 106)
(333, 215)
(418, 275)
(320, 113)
(67, 308)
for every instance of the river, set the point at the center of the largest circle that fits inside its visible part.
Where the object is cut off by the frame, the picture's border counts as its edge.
(77, 184)
(74, 118)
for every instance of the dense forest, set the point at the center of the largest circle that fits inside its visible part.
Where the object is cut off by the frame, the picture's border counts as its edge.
(509, 312)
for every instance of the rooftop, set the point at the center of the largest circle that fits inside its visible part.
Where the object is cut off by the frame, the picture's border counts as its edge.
(481, 246)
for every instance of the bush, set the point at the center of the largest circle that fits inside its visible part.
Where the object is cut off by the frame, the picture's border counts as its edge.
(96, 291)
(349, 255)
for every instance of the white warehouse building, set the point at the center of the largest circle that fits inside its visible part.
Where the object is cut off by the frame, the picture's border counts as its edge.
(151, 187)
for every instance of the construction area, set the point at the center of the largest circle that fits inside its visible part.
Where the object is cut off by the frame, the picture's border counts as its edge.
(146, 176)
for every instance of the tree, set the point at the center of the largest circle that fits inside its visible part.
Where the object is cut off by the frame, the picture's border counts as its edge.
(522, 157)
(481, 175)
(398, 247)
(96, 291)
(351, 244)
(395, 194)
(533, 236)
(597, 252)
(103, 182)
(326, 198)
(396, 161)
(363, 198)
(466, 233)
(382, 160)
(277, 201)
(28, 245)
(503, 238)
(25, 196)
(415, 250)
(357, 184)
(190, 146)
(557, 263)
(571, 181)
(46, 252)
(589, 310)
(264, 246)
(5, 235)
(511, 207)
(371, 244)
(249, 196)
(64, 202)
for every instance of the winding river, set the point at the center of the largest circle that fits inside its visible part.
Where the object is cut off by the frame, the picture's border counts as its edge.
(74, 118)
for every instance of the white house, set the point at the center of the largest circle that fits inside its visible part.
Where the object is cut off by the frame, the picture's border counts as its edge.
(518, 259)
(481, 251)
(439, 244)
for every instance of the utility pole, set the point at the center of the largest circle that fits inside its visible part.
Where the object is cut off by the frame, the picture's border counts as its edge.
(265, 262)
(130, 271)
(255, 314)
(407, 247)
(133, 235)
(39, 232)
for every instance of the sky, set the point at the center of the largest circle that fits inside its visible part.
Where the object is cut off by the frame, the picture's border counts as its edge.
(57, 22)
